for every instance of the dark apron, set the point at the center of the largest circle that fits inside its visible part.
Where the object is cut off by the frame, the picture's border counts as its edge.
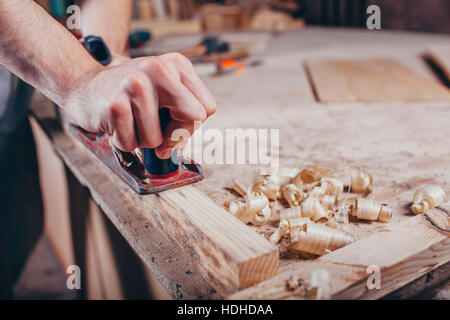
(21, 210)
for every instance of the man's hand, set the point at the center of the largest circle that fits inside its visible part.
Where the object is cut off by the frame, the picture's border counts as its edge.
(123, 101)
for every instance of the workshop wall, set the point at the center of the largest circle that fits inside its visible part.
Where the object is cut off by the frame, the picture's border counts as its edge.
(415, 15)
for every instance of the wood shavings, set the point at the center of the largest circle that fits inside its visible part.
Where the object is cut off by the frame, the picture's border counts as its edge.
(368, 209)
(319, 239)
(255, 209)
(317, 192)
(332, 186)
(279, 232)
(362, 183)
(268, 187)
(296, 224)
(311, 175)
(283, 175)
(329, 202)
(291, 213)
(236, 207)
(292, 194)
(428, 197)
(341, 214)
(320, 204)
(320, 285)
(312, 208)
(261, 217)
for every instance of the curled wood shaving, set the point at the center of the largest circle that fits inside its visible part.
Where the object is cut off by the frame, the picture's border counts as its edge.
(256, 203)
(341, 214)
(282, 229)
(317, 192)
(283, 175)
(312, 208)
(261, 217)
(254, 209)
(428, 197)
(268, 187)
(329, 202)
(332, 186)
(362, 183)
(311, 175)
(318, 239)
(291, 213)
(236, 207)
(292, 194)
(296, 224)
(288, 226)
(368, 209)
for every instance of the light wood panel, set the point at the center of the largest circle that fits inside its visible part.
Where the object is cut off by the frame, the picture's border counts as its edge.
(370, 80)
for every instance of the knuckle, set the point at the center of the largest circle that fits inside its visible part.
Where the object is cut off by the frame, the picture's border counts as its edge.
(117, 111)
(157, 66)
(138, 82)
(179, 58)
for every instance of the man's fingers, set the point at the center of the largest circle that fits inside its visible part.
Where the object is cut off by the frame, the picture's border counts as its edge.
(191, 81)
(122, 122)
(173, 94)
(145, 111)
(175, 134)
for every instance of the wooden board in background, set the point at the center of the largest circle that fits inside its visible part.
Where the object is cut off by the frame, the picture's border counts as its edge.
(370, 80)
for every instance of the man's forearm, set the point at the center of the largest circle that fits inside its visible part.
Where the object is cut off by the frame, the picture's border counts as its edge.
(40, 51)
(107, 19)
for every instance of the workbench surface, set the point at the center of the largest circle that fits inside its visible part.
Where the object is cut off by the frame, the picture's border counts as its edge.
(403, 144)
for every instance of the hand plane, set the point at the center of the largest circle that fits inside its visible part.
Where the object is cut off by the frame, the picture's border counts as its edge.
(141, 169)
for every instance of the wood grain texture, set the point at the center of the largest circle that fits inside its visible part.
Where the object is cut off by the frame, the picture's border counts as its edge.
(227, 253)
(402, 252)
(370, 80)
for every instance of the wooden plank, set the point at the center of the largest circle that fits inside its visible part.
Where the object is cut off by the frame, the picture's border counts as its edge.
(227, 253)
(403, 253)
(370, 80)
(440, 56)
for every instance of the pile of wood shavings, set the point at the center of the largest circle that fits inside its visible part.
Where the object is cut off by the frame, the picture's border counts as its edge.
(319, 203)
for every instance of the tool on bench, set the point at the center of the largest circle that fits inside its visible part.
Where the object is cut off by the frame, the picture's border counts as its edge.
(210, 49)
(141, 169)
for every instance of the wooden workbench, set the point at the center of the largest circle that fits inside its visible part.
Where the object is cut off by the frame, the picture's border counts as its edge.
(404, 145)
